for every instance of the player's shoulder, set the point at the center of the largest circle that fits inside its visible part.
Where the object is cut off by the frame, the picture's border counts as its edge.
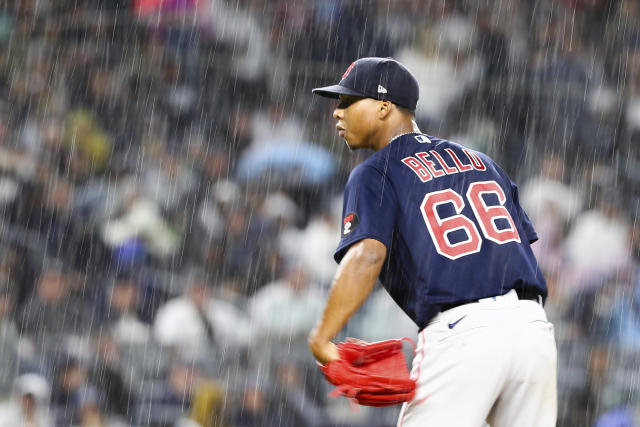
(370, 166)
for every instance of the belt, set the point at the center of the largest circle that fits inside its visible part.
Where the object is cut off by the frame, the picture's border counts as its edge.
(526, 294)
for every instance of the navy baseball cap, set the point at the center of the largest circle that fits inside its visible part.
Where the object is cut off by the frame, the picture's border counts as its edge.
(377, 78)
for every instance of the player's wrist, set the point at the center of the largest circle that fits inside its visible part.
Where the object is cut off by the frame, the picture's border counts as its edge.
(323, 349)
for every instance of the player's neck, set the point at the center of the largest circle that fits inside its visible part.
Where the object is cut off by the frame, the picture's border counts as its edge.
(389, 133)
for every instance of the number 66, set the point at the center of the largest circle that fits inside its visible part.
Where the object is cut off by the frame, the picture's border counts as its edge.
(486, 216)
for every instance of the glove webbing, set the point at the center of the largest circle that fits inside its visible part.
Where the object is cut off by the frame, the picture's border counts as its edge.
(379, 398)
(377, 384)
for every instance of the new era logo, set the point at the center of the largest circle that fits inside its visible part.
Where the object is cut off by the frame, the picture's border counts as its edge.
(382, 89)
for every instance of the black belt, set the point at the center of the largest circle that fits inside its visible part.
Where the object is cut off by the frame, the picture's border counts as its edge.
(526, 294)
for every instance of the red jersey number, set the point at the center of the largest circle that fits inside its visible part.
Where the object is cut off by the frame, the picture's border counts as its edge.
(439, 228)
(486, 216)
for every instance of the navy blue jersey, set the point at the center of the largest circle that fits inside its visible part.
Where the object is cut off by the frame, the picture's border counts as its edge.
(451, 222)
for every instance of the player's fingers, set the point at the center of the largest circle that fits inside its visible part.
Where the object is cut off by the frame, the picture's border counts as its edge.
(356, 341)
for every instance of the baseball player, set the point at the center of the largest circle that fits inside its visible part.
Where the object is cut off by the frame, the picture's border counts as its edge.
(440, 225)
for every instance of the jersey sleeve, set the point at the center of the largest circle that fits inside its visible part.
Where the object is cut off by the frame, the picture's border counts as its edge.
(368, 210)
(526, 223)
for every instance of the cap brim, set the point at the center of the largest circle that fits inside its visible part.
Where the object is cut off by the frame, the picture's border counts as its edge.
(335, 91)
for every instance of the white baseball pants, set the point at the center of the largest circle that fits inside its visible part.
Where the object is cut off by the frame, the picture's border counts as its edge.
(493, 360)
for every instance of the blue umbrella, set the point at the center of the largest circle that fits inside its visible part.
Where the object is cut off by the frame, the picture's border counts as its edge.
(310, 163)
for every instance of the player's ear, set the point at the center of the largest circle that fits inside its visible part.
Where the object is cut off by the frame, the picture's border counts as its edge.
(384, 108)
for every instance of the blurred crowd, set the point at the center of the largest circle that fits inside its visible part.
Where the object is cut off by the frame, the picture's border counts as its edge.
(170, 195)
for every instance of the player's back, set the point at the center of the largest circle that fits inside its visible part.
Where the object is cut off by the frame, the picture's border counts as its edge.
(451, 220)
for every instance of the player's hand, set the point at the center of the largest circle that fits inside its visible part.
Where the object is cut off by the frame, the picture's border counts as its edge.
(356, 341)
(323, 351)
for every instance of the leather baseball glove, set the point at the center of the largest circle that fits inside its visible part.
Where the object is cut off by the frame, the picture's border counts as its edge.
(372, 374)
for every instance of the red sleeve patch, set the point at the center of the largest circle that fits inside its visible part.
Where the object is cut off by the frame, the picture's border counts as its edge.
(349, 223)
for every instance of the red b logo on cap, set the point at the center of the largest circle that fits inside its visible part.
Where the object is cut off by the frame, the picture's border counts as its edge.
(346, 73)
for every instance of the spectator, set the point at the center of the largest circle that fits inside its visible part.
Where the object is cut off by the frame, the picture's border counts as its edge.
(29, 405)
(597, 245)
(291, 376)
(276, 125)
(17, 166)
(227, 326)
(168, 179)
(238, 128)
(204, 243)
(18, 265)
(232, 325)
(54, 310)
(71, 382)
(625, 310)
(287, 308)
(208, 404)
(241, 31)
(280, 210)
(632, 109)
(185, 393)
(103, 197)
(122, 316)
(246, 246)
(101, 90)
(110, 372)
(313, 247)
(48, 212)
(89, 410)
(9, 338)
(179, 102)
(556, 79)
(443, 50)
(551, 204)
(257, 408)
(141, 222)
(621, 35)
(630, 169)
(182, 323)
(601, 123)
(89, 142)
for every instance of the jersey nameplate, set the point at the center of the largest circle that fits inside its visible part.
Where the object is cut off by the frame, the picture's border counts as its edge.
(433, 164)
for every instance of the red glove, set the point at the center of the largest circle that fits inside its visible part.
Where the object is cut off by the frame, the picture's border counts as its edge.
(373, 374)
